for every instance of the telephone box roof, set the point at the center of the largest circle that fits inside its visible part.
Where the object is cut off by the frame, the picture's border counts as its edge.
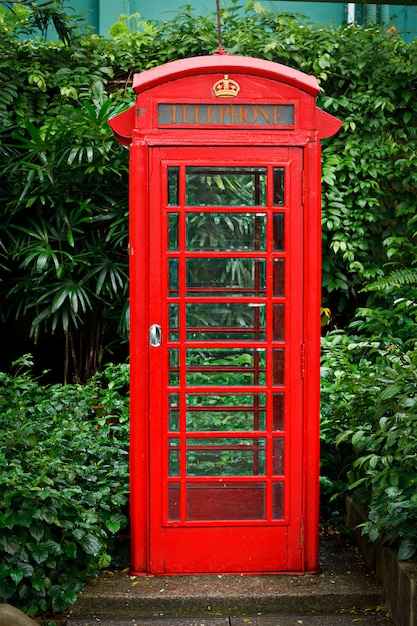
(124, 123)
(184, 68)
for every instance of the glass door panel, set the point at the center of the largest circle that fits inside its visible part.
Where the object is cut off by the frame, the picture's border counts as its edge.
(225, 367)
(229, 501)
(225, 412)
(225, 186)
(225, 276)
(226, 231)
(227, 321)
(226, 456)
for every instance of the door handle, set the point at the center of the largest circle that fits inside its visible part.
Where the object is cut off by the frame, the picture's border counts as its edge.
(155, 335)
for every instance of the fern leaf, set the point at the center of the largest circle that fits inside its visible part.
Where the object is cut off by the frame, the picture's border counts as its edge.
(397, 278)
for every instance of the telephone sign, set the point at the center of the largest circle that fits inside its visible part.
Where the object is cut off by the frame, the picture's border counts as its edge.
(225, 245)
(226, 115)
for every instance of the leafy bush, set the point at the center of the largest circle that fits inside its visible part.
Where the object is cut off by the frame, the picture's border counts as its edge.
(63, 465)
(63, 230)
(370, 421)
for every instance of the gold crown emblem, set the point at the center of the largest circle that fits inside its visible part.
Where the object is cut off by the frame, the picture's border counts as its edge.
(226, 88)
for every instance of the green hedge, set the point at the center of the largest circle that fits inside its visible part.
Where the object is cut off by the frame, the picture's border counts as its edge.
(63, 227)
(64, 485)
(369, 421)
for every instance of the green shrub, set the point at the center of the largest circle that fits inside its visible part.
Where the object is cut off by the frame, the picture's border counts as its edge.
(64, 487)
(63, 226)
(369, 420)
(348, 391)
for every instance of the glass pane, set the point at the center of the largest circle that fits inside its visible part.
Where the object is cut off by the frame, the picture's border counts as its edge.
(278, 322)
(174, 366)
(225, 186)
(226, 457)
(173, 277)
(279, 186)
(226, 501)
(173, 186)
(174, 457)
(278, 411)
(278, 221)
(173, 221)
(278, 456)
(174, 510)
(229, 277)
(226, 231)
(278, 366)
(173, 312)
(277, 500)
(174, 420)
(278, 282)
(226, 412)
(174, 412)
(225, 321)
(220, 366)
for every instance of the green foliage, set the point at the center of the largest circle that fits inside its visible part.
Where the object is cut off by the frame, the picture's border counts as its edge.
(25, 17)
(370, 420)
(63, 262)
(63, 228)
(65, 200)
(63, 465)
(367, 77)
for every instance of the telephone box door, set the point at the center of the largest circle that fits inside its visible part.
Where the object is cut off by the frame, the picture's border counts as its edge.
(225, 359)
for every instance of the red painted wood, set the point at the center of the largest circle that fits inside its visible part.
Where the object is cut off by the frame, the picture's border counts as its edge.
(183, 522)
(248, 66)
(139, 375)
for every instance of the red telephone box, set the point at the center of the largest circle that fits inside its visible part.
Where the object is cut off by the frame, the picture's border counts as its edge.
(225, 245)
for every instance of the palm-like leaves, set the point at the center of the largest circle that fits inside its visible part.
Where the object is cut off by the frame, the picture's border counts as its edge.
(68, 235)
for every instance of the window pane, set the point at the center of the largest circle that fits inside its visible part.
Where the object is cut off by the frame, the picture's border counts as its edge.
(226, 457)
(278, 366)
(225, 186)
(173, 186)
(174, 366)
(278, 283)
(227, 501)
(174, 457)
(277, 500)
(229, 277)
(279, 186)
(278, 322)
(173, 221)
(226, 412)
(174, 414)
(225, 321)
(278, 221)
(226, 231)
(278, 411)
(174, 509)
(220, 366)
(278, 456)
(173, 277)
(173, 312)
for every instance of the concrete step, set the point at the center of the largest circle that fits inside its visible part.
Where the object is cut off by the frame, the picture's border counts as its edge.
(306, 620)
(345, 592)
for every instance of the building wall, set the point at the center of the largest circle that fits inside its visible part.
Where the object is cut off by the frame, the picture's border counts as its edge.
(103, 13)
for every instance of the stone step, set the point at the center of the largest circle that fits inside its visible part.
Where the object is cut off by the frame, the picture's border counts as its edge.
(116, 594)
(344, 585)
(357, 619)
